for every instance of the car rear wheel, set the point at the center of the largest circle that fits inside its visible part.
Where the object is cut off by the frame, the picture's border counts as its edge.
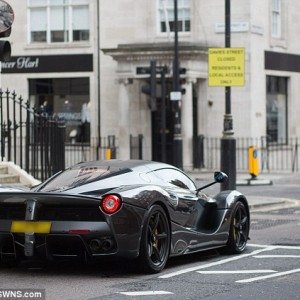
(239, 230)
(155, 242)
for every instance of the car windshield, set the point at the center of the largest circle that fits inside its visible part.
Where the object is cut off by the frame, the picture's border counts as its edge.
(79, 175)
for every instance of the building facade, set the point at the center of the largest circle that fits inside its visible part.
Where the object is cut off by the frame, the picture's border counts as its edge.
(83, 60)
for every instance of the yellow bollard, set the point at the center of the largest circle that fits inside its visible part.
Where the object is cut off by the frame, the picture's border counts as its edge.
(108, 153)
(253, 162)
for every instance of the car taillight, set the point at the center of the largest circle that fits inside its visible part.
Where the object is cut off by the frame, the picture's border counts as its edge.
(111, 204)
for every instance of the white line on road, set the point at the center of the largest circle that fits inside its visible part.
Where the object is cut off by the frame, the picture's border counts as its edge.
(268, 276)
(276, 256)
(216, 263)
(237, 272)
(146, 293)
(275, 246)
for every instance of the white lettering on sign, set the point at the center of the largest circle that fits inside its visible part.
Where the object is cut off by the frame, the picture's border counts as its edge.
(8, 65)
(26, 63)
(235, 27)
(22, 62)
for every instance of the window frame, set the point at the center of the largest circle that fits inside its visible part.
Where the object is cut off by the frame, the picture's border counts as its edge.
(158, 19)
(279, 140)
(69, 5)
(276, 19)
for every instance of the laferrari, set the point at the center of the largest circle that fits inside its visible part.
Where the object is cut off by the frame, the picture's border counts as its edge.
(136, 209)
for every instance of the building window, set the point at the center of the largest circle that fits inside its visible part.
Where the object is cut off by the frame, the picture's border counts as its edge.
(276, 19)
(277, 109)
(166, 15)
(67, 99)
(58, 21)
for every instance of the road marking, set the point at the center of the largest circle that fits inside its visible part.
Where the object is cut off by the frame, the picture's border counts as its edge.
(216, 263)
(146, 293)
(276, 256)
(268, 276)
(275, 246)
(237, 272)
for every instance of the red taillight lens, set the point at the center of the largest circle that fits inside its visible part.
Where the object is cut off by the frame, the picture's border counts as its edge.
(111, 204)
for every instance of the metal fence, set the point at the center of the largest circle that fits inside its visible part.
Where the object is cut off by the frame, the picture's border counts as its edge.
(282, 156)
(79, 152)
(29, 137)
(136, 146)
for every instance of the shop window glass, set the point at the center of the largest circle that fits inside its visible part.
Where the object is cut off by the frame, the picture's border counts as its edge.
(277, 109)
(67, 99)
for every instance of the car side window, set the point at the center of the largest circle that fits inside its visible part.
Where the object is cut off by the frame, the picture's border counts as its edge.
(176, 178)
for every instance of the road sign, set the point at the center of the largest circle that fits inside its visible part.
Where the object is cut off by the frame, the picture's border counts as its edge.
(226, 67)
(175, 96)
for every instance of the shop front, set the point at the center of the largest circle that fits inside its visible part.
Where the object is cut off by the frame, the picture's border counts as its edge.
(54, 89)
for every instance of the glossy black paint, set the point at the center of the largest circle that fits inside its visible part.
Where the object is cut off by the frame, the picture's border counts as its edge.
(197, 222)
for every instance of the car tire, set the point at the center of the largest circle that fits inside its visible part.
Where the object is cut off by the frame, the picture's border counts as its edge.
(239, 230)
(155, 241)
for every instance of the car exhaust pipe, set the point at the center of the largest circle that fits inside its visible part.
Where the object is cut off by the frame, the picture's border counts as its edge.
(107, 245)
(95, 245)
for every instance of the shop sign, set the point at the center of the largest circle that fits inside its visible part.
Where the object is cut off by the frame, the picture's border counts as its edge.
(49, 63)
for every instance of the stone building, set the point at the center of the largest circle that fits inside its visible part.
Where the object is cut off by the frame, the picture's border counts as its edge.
(81, 59)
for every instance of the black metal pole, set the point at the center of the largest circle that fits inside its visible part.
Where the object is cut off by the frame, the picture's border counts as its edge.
(163, 115)
(98, 83)
(177, 140)
(228, 142)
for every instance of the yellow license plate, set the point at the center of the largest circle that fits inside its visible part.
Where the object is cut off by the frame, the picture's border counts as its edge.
(30, 227)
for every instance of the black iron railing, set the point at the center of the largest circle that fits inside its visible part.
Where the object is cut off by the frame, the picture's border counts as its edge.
(30, 138)
(282, 156)
(136, 147)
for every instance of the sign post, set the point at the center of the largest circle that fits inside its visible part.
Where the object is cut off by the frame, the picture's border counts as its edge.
(227, 69)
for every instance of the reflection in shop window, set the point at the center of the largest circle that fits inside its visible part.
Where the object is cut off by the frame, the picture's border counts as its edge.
(277, 109)
(55, 21)
(67, 99)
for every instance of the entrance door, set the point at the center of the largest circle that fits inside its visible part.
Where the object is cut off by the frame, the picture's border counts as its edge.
(157, 130)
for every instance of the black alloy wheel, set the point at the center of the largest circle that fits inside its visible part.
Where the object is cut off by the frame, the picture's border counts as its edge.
(239, 229)
(155, 242)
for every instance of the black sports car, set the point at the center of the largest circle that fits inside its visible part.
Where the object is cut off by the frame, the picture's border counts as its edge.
(133, 209)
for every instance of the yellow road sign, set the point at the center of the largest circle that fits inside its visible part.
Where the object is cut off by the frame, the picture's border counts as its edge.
(226, 67)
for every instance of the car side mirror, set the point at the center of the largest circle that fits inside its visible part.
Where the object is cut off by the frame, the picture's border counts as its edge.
(220, 177)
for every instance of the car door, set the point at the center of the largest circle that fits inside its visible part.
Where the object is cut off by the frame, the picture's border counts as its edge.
(182, 191)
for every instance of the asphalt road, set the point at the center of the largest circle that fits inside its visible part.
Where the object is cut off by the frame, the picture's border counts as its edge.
(268, 269)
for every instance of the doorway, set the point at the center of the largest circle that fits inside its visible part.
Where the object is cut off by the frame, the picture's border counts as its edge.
(158, 147)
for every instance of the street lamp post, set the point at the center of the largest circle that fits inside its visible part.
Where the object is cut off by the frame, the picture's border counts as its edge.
(177, 140)
(228, 142)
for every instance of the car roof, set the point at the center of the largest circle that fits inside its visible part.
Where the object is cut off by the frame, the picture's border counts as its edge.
(124, 164)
